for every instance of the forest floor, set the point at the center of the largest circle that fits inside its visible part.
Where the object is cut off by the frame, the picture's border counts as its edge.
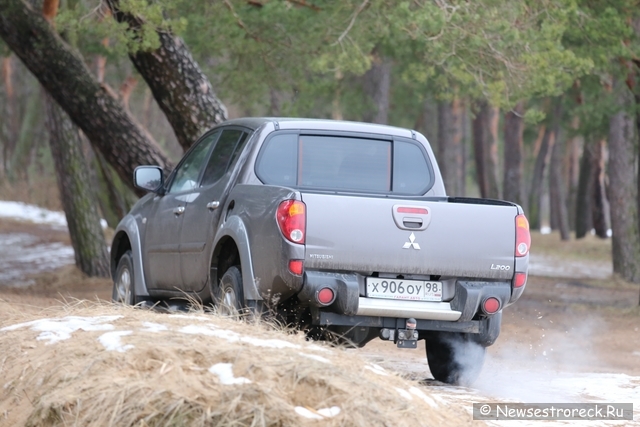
(573, 336)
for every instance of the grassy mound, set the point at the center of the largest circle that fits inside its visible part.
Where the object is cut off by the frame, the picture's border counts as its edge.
(106, 365)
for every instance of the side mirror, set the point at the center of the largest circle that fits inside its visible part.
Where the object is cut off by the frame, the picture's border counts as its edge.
(148, 178)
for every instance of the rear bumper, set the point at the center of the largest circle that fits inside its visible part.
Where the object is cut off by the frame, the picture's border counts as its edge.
(404, 309)
(351, 299)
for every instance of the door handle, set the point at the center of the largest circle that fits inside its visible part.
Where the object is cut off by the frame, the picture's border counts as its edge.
(179, 210)
(213, 205)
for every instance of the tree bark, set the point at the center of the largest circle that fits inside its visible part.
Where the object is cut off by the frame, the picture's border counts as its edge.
(574, 149)
(599, 203)
(181, 89)
(584, 199)
(76, 192)
(535, 194)
(557, 187)
(377, 86)
(450, 148)
(111, 130)
(622, 188)
(485, 143)
(513, 147)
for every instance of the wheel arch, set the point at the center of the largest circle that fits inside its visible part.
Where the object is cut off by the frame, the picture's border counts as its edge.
(127, 237)
(232, 248)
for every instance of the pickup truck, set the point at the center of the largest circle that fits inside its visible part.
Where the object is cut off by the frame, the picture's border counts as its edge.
(341, 228)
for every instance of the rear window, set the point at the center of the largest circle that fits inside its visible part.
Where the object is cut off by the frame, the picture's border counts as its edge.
(344, 163)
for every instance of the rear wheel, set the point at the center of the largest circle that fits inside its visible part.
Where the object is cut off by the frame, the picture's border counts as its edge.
(230, 296)
(123, 284)
(454, 358)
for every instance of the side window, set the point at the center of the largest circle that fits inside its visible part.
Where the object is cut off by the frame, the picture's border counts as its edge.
(224, 155)
(411, 174)
(278, 164)
(187, 174)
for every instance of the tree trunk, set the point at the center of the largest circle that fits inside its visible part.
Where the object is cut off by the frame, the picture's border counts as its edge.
(377, 85)
(111, 130)
(599, 203)
(557, 188)
(622, 188)
(572, 167)
(181, 89)
(513, 130)
(584, 198)
(535, 194)
(450, 149)
(76, 192)
(485, 142)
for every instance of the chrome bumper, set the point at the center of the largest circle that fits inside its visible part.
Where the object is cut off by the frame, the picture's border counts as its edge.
(425, 310)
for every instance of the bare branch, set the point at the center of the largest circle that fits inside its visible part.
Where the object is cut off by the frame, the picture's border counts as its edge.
(353, 20)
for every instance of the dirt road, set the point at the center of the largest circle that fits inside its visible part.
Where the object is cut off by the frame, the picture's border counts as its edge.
(569, 339)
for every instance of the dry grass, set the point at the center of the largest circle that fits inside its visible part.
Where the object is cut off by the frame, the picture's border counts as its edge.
(590, 248)
(163, 378)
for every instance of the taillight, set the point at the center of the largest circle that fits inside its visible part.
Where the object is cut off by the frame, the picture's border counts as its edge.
(408, 210)
(523, 237)
(292, 219)
(519, 280)
(491, 305)
(296, 266)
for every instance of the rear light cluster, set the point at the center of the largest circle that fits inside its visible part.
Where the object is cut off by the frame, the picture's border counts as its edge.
(523, 237)
(491, 305)
(292, 220)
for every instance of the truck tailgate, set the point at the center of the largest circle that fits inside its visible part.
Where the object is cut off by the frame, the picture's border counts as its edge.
(360, 234)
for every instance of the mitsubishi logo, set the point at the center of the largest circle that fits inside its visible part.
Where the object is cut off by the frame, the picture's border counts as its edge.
(411, 243)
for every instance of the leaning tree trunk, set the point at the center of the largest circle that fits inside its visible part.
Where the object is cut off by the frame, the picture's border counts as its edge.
(63, 73)
(377, 87)
(450, 146)
(513, 130)
(181, 89)
(485, 143)
(622, 188)
(76, 192)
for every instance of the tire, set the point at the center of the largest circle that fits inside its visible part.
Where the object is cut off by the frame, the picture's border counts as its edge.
(454, 358)
(124, 284)
(230, 296)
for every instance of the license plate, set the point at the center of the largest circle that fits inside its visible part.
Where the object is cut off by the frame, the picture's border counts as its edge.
(416, 290)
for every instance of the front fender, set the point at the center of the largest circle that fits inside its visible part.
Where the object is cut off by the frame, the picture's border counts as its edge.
(234, 228)
(129, 227)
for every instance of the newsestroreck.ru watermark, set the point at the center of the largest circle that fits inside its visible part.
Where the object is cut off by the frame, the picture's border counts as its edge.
(553, 411)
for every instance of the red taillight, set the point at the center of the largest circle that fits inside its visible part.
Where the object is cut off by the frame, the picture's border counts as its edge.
(491, 305)
(296, 266)
(523, 237)
(519, 280)
(408, 210)
(325, 296)
(292, 219)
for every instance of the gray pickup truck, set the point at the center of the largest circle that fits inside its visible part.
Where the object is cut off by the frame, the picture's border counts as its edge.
(343, 229)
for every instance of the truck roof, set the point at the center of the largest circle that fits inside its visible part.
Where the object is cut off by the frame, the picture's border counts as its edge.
(321, 124)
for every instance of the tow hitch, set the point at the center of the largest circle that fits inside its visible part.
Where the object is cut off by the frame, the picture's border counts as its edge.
(404, 338)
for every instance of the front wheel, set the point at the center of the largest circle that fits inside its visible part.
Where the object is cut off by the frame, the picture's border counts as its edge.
(454, 358)
(123, 284)
(230, 295)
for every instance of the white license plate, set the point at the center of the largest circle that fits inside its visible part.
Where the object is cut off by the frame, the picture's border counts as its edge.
(416, 290)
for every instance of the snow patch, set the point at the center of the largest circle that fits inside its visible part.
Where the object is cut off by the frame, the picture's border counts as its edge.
(224, 371)
(111, 341)
(377, 369)
(315, 357)
(25, 212)
(404, 393)
(419, 393)
(231, 336)
(153, 327)
(319, 414)
(54, 330)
